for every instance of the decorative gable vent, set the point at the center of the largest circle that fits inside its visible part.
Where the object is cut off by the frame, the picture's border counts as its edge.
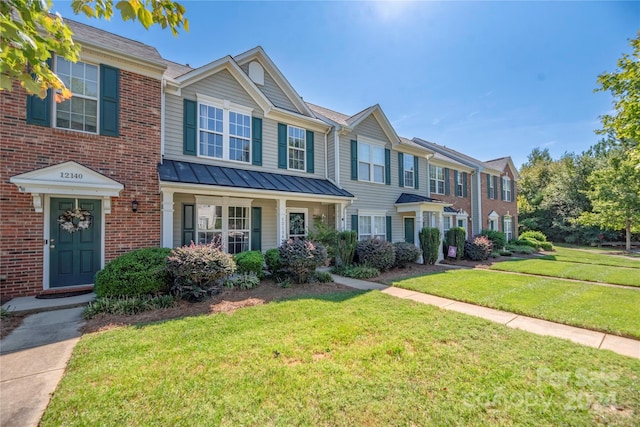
(256, 73)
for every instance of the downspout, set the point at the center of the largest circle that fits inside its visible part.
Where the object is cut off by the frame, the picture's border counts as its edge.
(336, 154)
(162, 119)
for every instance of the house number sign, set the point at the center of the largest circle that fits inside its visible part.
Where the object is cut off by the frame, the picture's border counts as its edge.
(70, 175)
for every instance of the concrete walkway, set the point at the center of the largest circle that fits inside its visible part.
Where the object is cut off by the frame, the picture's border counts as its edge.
(34, 356)
(625, 346)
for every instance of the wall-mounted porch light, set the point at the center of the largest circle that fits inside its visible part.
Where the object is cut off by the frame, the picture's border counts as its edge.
(134, 206)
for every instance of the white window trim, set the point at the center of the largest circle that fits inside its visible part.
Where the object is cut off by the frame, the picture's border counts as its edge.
(443, 180)
(412, 171)
(459, 184)
(225, 202)
(372, 214)
(54, 119)
(377, 144)
(506, 189)
(451, 225)
(304, 151)
(226, 106)
(509, 230)
(304, 211)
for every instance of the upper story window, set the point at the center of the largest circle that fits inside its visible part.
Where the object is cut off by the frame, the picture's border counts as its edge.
(371, 163)
(459, 184)
(506, 189)
(436, 179)
(224, 130)
(409, 173)
(491, 188)
(297, 144)
(81, 111)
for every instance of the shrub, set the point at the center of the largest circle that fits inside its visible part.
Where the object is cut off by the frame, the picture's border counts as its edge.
(250, 262)
(300, 258)
(528, 242)
(406, 253)
(495, 254)
(323, 277)
(498, 238)
(357, 271)
(376, 253)
(346, 242)
(535, 235)
(196, 268)
(506, 253)
(478, 249)
(520, 249)
(325, 234)
(127, 305)
(272, 259)
(547, 246)
(137, 273)
(242, 281)
(456, 237)
(430, 244)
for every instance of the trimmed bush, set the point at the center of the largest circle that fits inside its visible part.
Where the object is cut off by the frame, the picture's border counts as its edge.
(127, 305)
(498, 238)
(535, 235)
(478, 249)
(406, 253)
(249, 262)
(520, 249)
(376, 253)
(455, 237)
(272, 259)
(357, 271)
(346, 242)
(505, 253)
(547, 246)
(528, 242)
(430, 244)
(242, 281)
(323, 233)
(300, 258)
(196, 268)
(137, 273)
(323, 277)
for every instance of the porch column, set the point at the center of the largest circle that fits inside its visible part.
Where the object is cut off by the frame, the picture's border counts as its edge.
(440, 224)
(281, 220)
(418, 227)
(339, 207)
(167, 219)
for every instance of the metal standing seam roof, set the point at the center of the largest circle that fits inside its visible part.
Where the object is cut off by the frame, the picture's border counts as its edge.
(415, 198)
(222, 176)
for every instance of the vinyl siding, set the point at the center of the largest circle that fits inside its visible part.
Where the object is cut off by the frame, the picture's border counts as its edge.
(331, 158)
(272, 91)
(224, 86)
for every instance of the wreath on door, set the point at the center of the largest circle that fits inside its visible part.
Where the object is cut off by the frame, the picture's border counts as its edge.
(73, 220)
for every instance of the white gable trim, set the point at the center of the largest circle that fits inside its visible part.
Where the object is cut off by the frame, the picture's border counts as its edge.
(494, 216)
(382, 120)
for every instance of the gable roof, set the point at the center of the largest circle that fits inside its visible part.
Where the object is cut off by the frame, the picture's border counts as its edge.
(450, 154)
(258, 53)
(502, 163)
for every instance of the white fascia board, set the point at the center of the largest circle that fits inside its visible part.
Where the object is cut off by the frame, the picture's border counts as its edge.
(423, 206)
(278, 114)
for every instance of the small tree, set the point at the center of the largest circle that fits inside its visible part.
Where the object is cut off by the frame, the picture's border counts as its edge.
(346, 243)
(430, 244)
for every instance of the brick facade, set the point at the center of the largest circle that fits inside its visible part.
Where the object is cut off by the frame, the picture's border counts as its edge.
(498, 205)
(458, 202)
(130, 159)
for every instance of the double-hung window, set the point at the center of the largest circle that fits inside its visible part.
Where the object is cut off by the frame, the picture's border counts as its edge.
(506, 188)
(436, 179)
(507, 227)
(446, 223)
(297, 218)
(81, 111)
(297, 144)
(209, 224)
(224, 130)
(372, 227)
(238, 233)
(459, 184)
(409, 173)
(225, 223)
(491, 190)
(371, 163)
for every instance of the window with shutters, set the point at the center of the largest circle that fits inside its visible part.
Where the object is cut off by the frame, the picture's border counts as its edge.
(297, 144)
(224, 130)
(436, 179)
(224, 222)
(409, 173)
(491, 191)
(80, 112)
(372, 227)
(506, 189)
(371, 163)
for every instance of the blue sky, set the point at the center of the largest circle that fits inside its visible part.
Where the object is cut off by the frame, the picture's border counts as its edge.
(486, 78)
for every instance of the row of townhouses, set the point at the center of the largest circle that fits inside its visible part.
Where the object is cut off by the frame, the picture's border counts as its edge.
(148, 152)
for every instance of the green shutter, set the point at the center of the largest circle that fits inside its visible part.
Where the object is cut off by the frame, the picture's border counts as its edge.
(389, 234)
(354, 160)
(464, 184)
(39, 110)
(354, 223)
(188, 224)
(256, 229)
(190, 121)
(256, 141)
(387, 166)
(495, 187)
(501, 189)
(400, 169)
(416, 166)
(310, 159)
(282, 146)
(109, 101)
(513, 194)
(455, 182)
(447, 184)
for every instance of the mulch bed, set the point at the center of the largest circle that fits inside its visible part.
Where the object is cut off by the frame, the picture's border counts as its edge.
(9, 323)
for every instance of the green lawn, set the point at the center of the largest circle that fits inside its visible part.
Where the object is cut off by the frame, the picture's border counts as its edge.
(593, 256)
(602, 308)
(572, 270)
(341, 360)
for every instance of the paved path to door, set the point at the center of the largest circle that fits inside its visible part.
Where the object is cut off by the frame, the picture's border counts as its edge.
(625, 346)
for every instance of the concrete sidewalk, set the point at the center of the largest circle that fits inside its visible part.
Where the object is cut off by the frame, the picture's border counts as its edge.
(34, 356)
(625, 346)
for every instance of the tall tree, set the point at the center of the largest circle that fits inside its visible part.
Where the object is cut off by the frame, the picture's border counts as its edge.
(30, 33)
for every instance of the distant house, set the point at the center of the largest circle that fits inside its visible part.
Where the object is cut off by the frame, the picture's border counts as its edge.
(153, 153)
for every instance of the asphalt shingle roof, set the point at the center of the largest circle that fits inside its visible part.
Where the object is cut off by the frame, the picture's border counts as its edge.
(196, 173)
